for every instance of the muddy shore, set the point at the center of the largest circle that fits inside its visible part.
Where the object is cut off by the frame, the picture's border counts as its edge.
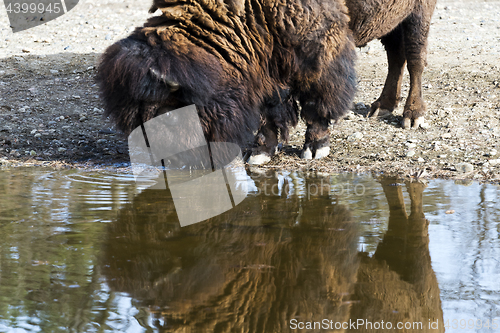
(51, 115)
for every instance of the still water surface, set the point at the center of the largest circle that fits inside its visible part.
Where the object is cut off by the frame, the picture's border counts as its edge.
(93, 252)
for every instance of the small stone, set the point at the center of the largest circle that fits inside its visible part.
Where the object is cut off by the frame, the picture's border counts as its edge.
(350, 116)
(83, 118)
(360, 106)
(61, 149)
(464, 167)
(425, 126)
(355, 137)
(32, 153)
(53, 71)
(108, 37)
(451, 211)
(51, 123)
(410, 153)
(33, 131)
(446, 135)
(442, 156)
(494, 162)
(61, 118)
(411, 145)
(76, 97)
(37, 135)
(420, 160)
(101, 141)
(493, 152)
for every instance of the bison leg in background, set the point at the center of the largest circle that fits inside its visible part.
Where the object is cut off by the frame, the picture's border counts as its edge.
(405, 44)
(391, 94)
(416, 31)
(403, 27)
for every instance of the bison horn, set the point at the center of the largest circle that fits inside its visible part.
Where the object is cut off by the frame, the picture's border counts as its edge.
(163, 78)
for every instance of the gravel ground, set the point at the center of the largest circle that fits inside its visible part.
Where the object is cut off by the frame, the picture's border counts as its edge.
(50, 113)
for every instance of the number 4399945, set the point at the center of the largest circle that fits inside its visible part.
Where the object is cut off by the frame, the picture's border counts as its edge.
(471, 324)
(40, 8)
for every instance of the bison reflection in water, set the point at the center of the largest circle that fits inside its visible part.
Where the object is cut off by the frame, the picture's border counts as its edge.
(271, 259)
(397, 284)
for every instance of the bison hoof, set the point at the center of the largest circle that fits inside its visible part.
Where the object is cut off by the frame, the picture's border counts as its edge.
(307, 154)
(417, 122)
(322, 152)
(259, 159)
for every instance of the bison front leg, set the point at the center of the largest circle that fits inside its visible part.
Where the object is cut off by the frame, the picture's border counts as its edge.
(266, 142)
(325, 100)
(416, 31)
(317, 139)
(388, 100)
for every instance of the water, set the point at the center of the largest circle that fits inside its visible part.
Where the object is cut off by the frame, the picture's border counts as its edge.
(93, 252)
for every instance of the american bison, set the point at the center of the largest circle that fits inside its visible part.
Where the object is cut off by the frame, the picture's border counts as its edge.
(251, 66)
(246, 65)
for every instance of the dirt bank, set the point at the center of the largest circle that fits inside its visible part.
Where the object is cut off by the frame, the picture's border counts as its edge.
(50, 113)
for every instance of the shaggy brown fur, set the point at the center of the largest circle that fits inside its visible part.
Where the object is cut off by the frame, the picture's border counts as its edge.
(403, 27)
(243, 63)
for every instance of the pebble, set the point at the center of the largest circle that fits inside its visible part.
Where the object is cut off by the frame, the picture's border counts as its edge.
(493, 152)
(37, 135)
(360, 106)
(464, 167)
(355, 137)
(350, 116)
(425, 126)
(451, 211)
(53, 71)
(108, 37)
(15, 153)
(420, 160)
(410, 153)
(61, 149)
(494, 162)
(83, 118)
(32, 153)
(101, 141)
(33, 131)
(442, 156)
(446, 135)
